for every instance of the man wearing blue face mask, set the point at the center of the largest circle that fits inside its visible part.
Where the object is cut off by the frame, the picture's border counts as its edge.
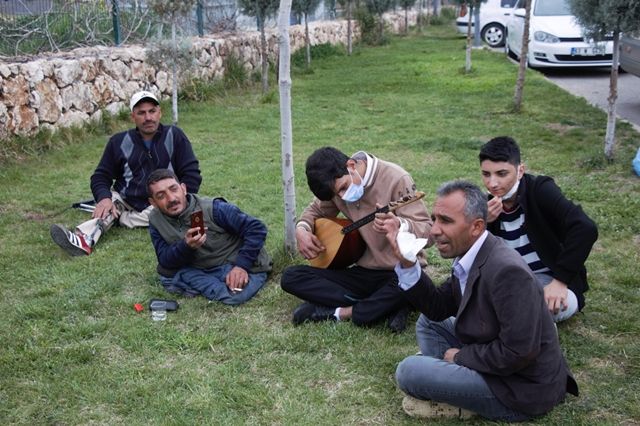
(530, 213)
(366, 292)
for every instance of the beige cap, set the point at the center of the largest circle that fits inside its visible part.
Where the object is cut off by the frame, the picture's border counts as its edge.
(137, 97)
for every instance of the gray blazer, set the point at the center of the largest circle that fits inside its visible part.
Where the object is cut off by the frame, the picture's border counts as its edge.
(507, 332)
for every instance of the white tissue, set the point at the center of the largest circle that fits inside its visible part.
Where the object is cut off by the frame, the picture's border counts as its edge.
(409, 245)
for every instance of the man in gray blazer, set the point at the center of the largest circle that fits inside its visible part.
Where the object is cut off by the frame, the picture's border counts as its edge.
(487, 340)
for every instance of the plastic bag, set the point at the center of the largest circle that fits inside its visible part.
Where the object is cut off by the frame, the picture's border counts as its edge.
(636, 163)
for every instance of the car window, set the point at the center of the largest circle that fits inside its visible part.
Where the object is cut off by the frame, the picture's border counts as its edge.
(507, 3)
(520, 4)
(552, 8)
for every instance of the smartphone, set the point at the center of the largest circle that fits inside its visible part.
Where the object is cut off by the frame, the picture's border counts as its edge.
(197, 221)
(163, 305)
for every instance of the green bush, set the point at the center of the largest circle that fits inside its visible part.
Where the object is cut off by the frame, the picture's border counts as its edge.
(319, 51)
(235, 75)
(199, 90)
(447, 14)
(368, 26)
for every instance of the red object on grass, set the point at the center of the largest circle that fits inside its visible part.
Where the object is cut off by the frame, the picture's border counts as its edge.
(138, 307)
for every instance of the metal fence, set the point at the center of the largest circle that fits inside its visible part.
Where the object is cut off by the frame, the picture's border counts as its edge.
(30, 27)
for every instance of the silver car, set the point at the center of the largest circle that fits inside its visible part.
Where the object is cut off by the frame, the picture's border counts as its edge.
(630, 53)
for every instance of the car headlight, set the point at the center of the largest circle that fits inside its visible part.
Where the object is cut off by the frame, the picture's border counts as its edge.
(543, 37)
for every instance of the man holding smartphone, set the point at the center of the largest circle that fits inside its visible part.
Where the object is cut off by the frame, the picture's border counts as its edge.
(119, 182)
(227, 262)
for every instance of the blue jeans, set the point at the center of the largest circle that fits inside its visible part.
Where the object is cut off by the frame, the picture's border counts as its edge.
(429, 377)
(211, 284)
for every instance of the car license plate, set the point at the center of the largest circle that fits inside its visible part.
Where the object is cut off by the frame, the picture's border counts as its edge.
(587, 51)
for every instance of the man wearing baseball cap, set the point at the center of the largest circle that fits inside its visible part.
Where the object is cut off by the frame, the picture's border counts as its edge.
(119, 182)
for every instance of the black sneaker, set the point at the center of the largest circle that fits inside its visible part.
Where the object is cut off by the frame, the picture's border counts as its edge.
(323, 313)
(303, 313)
(310, 312)
(397, 322)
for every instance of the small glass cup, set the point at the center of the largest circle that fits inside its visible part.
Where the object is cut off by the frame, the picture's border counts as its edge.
(159, 315)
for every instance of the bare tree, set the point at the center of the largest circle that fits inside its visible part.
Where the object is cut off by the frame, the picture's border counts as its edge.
(304, 8)
(378, 8)
(348, 4)
(524, 53)
(286, 132)
(261, 10)
(436, 7)
(472, 5)
(176, 56)
(603, 19)
(406, 5)
(419, 18)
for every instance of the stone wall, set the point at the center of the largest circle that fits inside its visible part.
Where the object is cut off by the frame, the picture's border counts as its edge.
(71, 88)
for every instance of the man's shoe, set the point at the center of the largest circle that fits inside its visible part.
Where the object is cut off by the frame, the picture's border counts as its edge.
(303, 313)
(398, 321)
(73, 244)
(323, 313)
(427, 409)
(310, 312)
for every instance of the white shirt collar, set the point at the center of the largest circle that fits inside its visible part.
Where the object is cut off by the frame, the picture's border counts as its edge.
(466, 261)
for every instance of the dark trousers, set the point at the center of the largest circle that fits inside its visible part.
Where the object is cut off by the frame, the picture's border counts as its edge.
(374, 294)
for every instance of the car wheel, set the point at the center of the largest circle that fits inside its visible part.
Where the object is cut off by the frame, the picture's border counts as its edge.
(493, 34)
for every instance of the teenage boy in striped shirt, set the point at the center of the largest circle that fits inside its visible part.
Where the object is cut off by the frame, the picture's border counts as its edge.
(551, 233)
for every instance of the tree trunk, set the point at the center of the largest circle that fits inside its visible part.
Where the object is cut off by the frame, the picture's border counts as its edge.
(174, 74)
(286, 132)
(524, 53)
(419, 18)
(406, 20)
(476, 26)
(264, 57)
(428, 15)
(380, 28)
(349, 30)
(307, 42)
(610, 137)
(467, 61)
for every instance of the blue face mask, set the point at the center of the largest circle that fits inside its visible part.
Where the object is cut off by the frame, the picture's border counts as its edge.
(354, 192)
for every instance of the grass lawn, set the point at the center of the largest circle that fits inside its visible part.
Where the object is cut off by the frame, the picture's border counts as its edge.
(74, 351)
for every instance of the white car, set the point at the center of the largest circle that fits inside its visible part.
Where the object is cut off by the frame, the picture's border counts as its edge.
(555, 37)
(493, 21)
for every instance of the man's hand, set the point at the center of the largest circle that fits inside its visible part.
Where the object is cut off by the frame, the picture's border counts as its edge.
(194, 239)
(104, 208)
(391, 227)
(450, 353)
(309, 245)
(237, 278)
(495, 208)
(555, 294)
(381, 218)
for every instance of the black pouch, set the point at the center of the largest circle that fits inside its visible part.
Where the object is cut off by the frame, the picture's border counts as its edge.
(163, 305)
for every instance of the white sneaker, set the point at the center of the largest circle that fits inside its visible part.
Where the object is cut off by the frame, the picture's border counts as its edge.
(73, 244)
(428, 409)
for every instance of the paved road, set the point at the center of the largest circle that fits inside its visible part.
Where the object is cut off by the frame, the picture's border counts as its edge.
(593, 85)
